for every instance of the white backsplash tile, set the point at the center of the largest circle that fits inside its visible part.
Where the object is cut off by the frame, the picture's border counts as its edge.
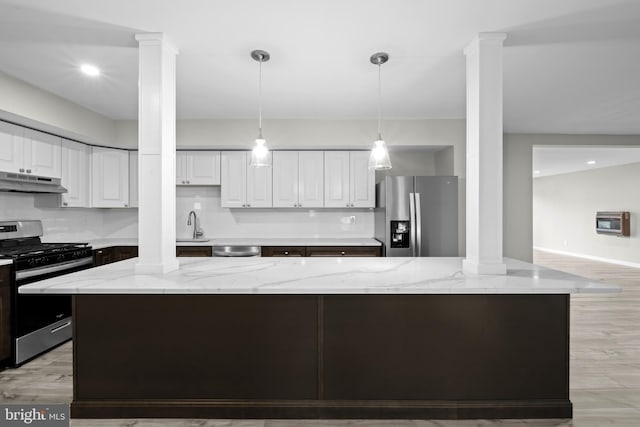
(216, 221)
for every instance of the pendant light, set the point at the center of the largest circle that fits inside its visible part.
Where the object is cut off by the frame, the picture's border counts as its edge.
(379, 158)
(260, 153)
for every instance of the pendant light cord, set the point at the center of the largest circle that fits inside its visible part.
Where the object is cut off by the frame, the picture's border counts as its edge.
(379, 97)
(260, 100)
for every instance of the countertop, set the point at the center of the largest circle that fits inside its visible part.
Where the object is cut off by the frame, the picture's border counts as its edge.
(318, 276)
(258, 241)
(6, 261)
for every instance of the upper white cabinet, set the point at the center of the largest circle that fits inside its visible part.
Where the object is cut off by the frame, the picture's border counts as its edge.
(133, 179)
(11, 147)
(362, 180)
(348, 180)
(42, 153)
(198, 168)
(110, 178)
(243, 186)
(75, 164)
(29, 151)
(298, 179)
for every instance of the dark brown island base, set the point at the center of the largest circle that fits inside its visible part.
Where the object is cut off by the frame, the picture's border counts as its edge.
(423, 356)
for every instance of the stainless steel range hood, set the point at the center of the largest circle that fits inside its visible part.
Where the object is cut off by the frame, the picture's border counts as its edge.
(22, 183)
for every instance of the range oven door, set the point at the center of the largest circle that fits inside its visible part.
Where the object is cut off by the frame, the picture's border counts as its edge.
(40, 321)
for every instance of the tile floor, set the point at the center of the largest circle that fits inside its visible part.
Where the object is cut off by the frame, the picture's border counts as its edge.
(605, 366)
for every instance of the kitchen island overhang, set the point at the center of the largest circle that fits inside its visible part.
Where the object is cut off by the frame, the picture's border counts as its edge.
(308, 338)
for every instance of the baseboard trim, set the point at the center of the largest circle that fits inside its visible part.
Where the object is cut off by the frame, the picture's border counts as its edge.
(322, 409)
(590, 257)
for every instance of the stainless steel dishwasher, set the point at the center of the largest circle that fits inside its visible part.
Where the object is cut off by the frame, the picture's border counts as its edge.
(236, 251)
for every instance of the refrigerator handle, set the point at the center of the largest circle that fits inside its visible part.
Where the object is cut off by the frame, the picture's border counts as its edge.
(412, 223)
(418, 218)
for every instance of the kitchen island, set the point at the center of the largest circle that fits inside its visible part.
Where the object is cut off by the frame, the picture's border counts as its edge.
(320, 338)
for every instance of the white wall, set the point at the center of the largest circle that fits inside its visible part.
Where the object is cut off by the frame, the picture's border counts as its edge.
(518, 181)
(68, 224)
(564, 209)
(222, 222)
(29, 106)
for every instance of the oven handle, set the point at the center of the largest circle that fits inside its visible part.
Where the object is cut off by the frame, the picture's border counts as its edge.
(25, 274)
(57, 328)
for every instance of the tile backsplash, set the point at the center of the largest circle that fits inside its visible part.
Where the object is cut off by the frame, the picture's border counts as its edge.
(78, 224)
(216, 221)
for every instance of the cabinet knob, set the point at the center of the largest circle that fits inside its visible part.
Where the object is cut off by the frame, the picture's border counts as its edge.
(99, 252)
(248, 205)
(66, 204)
(188, 181)
(286, 252)
(21, 170)
(126, 205)
(28, 170)
(341, 252)
(183, 181)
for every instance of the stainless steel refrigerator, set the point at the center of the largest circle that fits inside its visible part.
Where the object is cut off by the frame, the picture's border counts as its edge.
(417, 215)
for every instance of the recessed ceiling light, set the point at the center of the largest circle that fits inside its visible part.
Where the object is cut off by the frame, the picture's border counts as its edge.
(90, 70)
(591, 162)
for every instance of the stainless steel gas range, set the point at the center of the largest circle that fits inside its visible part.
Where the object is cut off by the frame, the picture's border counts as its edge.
(38, 322)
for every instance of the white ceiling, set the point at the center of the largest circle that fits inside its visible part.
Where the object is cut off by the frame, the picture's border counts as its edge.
(570, 66)
(557, 160)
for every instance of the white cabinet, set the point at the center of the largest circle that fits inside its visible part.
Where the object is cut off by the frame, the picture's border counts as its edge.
(243, 186)
(298, 179)
(362, 180)
(29, 151)
(75, 168)
(197, 168)
(348, 180)
(110, 178)
(133, 179)
(11, 147)
(42, 153)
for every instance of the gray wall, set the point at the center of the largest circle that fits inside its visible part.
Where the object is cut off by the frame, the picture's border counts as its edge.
(518, 181)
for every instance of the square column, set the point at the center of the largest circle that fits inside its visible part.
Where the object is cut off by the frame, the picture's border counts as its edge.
(484, 155)
(157, 154)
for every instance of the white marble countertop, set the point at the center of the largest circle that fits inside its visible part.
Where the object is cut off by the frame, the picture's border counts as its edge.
(317, 276)
(6, 261)
(258, 241)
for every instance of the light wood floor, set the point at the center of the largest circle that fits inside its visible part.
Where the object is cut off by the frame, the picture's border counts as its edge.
(605, 365)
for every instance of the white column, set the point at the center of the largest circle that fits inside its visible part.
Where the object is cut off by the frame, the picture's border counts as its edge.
(157, 154)
(484, 155)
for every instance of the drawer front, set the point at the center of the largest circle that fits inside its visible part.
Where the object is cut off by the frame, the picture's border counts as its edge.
(349, 251)
(283, 251)
(193, 251)
(103, 256)
(4, 276)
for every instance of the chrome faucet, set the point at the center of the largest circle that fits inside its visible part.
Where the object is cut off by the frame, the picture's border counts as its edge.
(196, 233)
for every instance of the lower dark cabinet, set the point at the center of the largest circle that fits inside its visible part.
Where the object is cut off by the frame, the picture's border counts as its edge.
(194, 251)
(316, 251)
(113, 254)
(284, 251)
(5, 312)
(351, 251)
